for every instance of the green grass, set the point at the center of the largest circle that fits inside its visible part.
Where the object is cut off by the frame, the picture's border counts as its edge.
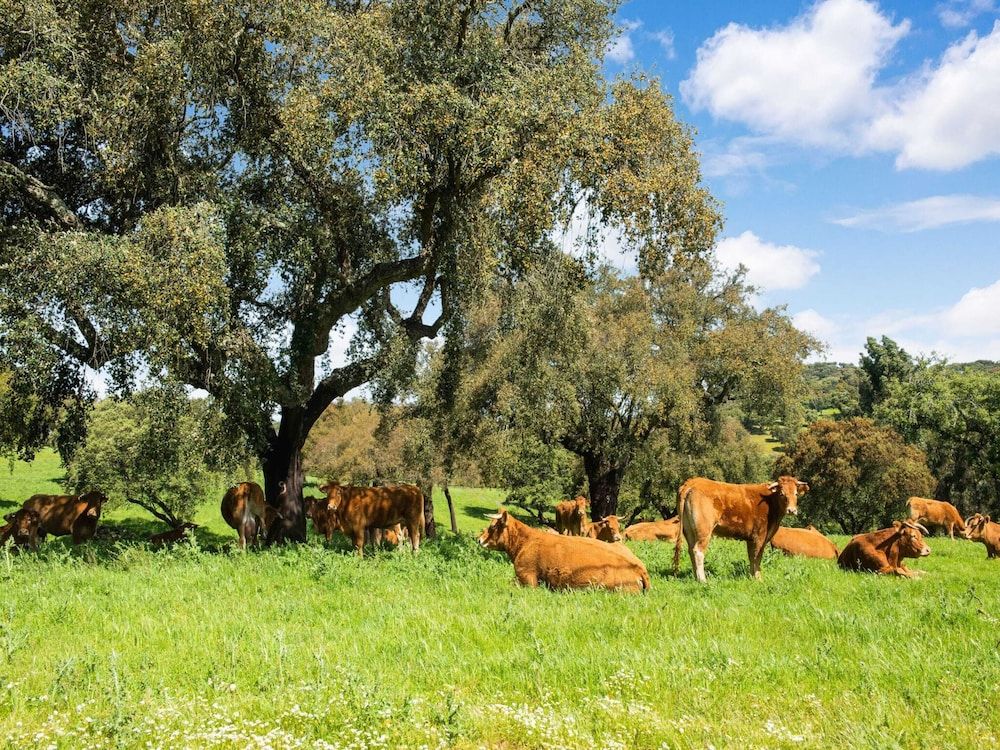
(113, 645)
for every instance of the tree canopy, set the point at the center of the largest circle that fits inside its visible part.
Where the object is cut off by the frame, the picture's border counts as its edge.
(215, 193)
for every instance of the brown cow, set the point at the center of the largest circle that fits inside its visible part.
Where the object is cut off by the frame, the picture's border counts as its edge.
(562, 561)
(394, 535)
(244, 509)
(21, 529)
(571, 516)
(982, 529)
(170, 538)
(751, 512)
(938, 513)
(62, 515)
(608, 529)
(654, 531)
(883, 551)
(807, 542)
(317, 510)
(354, 510)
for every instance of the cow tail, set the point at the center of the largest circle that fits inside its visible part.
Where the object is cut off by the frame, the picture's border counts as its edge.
(681, 494)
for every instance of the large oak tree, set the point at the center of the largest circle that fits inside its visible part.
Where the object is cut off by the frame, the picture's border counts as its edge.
(214, 192)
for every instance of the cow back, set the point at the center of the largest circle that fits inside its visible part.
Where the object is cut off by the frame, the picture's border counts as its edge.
(57, 513)
(360, 508)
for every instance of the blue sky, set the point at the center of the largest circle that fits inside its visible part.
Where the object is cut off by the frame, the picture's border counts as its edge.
(855, 146)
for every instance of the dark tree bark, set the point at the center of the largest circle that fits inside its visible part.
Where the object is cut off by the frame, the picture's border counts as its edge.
(284, 479)
(430, 528)
(451, 509)
(605, 480)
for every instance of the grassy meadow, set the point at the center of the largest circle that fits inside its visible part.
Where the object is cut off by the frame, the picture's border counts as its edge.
(114, 645)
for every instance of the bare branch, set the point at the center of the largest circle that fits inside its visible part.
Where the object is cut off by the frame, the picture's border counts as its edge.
(41, 195)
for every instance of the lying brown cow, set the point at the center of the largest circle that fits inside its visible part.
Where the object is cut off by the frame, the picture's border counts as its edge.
(883, 551)
(62, 515)
(937, 513)
(807, 542)
(172, 537)
(654, 531)
(354, 510)
(21, 529)
(571, 516)
(982, 529)
(562, 561)
(244, 509)
(751, 512)
(608, 529)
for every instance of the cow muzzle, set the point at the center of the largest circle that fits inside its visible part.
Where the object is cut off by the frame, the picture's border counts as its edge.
(793, 511)
(925, 551)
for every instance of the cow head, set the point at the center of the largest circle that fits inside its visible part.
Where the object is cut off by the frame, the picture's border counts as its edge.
(334, 498)
(25, 524)
(271, 514)
(580, 511)
(975, 526)
(93, 499)
(789, 488)
(494, 536)
(608, 529)
(911, 541)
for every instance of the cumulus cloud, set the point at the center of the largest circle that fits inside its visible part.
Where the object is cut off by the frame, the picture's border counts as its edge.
(960, 13)
(737, 158)
(926, 213)
(620, 49)
(947, 118)
(977, 313)
(769, 267)
(814, 82)
(818, 325)
(809, 81)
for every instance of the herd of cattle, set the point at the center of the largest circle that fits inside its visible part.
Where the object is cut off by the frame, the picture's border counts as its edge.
(576, 553)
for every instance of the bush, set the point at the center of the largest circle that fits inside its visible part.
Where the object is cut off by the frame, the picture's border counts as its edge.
(158, 449)
(860, 474)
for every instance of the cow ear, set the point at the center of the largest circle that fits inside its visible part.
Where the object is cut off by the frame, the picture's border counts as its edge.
(773, 487)
(802, 487)
(9, 517)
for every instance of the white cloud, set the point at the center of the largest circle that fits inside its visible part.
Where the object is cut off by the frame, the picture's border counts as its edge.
(818, 325)
(926, 213)
(948, 117)
(737, 158)
(959, 13)
(810, 81)
(620, 49)
(665, 38)
(977, 313)
(814, 82)
(769, 267)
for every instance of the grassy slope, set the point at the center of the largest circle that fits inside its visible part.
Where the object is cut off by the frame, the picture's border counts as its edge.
(112, 645)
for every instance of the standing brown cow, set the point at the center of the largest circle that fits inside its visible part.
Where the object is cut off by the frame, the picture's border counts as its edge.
(354, 510)
(21, 529)
(244, 509)
(936, 513)
(654, 531)
(571, 516)
(62, 515)
(883, 551)
(807, 542)
(982, 529)
(751, 512)
(317, 510)
(561, 561)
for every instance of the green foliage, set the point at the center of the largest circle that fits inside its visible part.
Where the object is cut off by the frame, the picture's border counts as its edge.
(882, 363)
(158, 449)
(833, 389)
(860, 474)
(953, 414)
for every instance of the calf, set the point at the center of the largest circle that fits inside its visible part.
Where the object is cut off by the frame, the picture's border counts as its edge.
(318, 511)
(982, 529)
(571, 516)
(937, 513)
(21, 529)
(563, 561)
(354, 510)
(608, 529)
(654, 531)
(807, 542)
(883, 551)
(172, 537)
(67, 515)
(751, 512)
(244, 509)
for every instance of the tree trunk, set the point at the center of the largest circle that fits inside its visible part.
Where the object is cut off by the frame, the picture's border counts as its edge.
(283, 481)
(451, 509)
(430, 528)
(605, 480)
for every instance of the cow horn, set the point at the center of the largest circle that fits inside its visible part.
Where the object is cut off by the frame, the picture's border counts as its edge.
(494, 516)
(922, 529)
(773, 486)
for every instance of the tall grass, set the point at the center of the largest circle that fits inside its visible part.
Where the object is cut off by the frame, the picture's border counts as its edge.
(113, 645)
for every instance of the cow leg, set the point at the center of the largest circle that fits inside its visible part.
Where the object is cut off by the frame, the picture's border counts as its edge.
(359, 542)
(413, 530)
(527, 577)
(697, 546)
(755, 552)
